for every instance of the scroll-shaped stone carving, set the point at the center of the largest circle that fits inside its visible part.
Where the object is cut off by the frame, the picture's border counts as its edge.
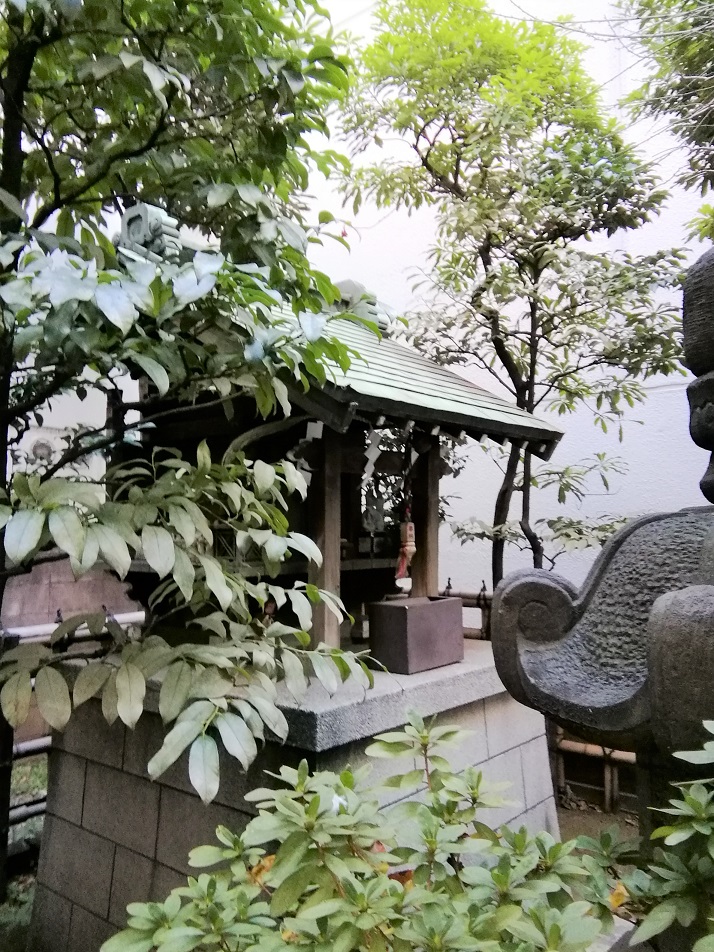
(627, 661)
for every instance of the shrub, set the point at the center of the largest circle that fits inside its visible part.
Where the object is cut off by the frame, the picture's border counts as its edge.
(322, 867)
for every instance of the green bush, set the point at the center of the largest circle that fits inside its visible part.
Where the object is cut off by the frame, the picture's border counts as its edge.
(323, 868)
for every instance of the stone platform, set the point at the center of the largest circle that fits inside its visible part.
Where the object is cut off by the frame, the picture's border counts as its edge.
(112, 836)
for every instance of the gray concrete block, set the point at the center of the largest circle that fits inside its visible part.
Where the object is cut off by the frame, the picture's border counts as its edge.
(121, 807)
(65, 787)
(321, 722)
(88, 735)
(537, 778)
(544, 816)
(51, 914)
(184, 822)
(381, 769)
(131, 882)
(143, 742)
(474, 749)
(165, 880)
(76, 864)
(506, 768)
(510, 724)
(87, 932)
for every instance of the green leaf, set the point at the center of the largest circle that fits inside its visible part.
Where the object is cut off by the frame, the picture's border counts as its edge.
(704, 945)
(130, 940)
(203, 767)
(90, 681)
(175, 690)
(305, 545)
(237, 738)
(219, 194)
(295, 679)
(131, 689)
(216, 582)
(203, 457)
(68, 531)
(156, 373)
(181, 521)
(23, 533)
(302, 608)
(290, 890)
(272, 716)
(15, 698)
(175, 742)
(202, 856)
(112, 547)
(158, 548)
(659, 919)
(184, 573)
(326, 672)
(12, 204)
(53, 698)
(265, 476)
(109, 699)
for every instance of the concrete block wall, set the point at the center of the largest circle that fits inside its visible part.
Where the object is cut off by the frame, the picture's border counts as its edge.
(112, 836)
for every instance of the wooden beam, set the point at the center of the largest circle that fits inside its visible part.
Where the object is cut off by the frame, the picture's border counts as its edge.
(325, 529)
(425, 515)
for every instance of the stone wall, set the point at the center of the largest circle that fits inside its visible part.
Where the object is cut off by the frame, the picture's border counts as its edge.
(112, 836)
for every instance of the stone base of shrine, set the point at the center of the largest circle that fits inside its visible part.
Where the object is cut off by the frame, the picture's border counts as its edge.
(112, 836)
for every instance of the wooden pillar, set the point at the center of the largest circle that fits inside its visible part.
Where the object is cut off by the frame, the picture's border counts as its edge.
(325, 516)
(425, 515)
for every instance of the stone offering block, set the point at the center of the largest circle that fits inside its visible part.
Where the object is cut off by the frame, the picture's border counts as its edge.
(416, 634)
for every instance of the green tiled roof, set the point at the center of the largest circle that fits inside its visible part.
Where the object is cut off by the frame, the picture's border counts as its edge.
(392, 380)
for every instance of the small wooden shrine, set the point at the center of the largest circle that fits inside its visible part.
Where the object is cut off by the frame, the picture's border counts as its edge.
(370, 445)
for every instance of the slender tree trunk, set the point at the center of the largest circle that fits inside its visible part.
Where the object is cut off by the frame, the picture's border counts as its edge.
(529, 532)
(14, 84)
(501, 510)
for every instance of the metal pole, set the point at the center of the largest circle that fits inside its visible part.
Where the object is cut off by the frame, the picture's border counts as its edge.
(7, 738)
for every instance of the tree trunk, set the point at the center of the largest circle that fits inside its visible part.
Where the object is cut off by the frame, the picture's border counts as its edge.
(529, 532)
(501, 510)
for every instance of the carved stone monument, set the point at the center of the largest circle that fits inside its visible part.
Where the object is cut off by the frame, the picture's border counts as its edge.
(627, 661)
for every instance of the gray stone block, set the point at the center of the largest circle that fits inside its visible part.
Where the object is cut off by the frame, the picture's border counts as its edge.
(353, 755)
(474, 749)
(87, 932)
(51, 916)
(544, 816)
(510, 724)
(76, 864)
(537, 779)
(88, 735)
(184, 822)
(165, 880)
(322, 722)
(131, 882)
(65, 788)
(121, 807)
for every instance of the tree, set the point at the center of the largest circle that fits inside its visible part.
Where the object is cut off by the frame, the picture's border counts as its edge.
(503, 136)
(203, 108)
(677, 35)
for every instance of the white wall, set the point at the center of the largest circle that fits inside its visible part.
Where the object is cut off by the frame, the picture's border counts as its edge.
(664, 465)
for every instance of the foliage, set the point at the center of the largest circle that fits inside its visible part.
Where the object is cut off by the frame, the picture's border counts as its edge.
(426, 875)
(506, 141)
(16, 913)
(677, 35)
(205, 109)
(676, 886)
